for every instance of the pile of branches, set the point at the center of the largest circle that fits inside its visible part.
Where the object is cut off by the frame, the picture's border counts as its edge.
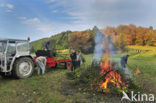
(90, 79)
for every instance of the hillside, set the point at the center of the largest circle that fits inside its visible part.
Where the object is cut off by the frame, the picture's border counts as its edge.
(58, 41)
(82, 40)
(122, 36)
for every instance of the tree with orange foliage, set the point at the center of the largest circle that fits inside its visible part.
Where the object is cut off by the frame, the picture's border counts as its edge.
(133, 35)
(81, 40)
(153, 39)
(141, 36)
(121, 41)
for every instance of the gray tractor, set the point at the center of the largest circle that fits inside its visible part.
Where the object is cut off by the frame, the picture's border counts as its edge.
(15, 58)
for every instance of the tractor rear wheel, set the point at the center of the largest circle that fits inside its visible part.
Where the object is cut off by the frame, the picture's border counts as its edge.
(23, 67)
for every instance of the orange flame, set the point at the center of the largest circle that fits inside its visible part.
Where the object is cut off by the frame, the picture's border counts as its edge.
(109, 74)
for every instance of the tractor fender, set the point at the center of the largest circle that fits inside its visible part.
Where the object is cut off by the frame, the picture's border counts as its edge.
(16, 58)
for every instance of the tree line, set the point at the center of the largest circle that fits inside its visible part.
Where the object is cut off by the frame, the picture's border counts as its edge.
(124, 35)
(121, 36)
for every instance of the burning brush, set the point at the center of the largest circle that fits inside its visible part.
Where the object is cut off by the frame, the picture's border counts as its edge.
(109, 73)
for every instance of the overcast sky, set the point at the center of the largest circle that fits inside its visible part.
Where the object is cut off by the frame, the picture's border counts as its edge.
(43, 18)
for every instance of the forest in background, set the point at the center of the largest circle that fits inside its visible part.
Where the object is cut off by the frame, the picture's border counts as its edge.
(122, 36)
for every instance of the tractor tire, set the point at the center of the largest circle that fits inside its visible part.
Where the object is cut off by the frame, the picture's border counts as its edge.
(68, 65)
(23, 68)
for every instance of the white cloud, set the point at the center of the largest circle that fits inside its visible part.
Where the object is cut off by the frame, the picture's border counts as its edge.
(84, 14)
(50, 1)
(45, 29)
(107, 12)
(31, 20)
(2, 5)
(48, 28)
(37, 26)
(8, 10)
(54, 11)
(23, 18)
(10, 6)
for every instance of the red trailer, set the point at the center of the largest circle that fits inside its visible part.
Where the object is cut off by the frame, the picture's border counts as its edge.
(51, 62)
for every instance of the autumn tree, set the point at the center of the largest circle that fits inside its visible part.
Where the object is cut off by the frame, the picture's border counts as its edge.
(153, 40)
(141, 36)
(82, 41)
(133, 35)
(120, 43)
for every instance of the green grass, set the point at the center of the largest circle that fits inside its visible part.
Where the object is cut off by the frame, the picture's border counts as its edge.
(88, 59)
(55, 87)
(39, 89)
(146, 62)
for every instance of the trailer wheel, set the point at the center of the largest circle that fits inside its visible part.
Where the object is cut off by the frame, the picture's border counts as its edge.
(68, 65)
(23, 67)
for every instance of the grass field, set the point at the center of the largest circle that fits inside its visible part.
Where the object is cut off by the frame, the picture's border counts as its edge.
(54, 87)
(146, 62)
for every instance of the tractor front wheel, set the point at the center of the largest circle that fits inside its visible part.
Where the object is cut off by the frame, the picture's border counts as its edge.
(23, 67)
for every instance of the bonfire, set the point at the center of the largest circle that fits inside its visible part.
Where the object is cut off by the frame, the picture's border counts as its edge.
(110, 76)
